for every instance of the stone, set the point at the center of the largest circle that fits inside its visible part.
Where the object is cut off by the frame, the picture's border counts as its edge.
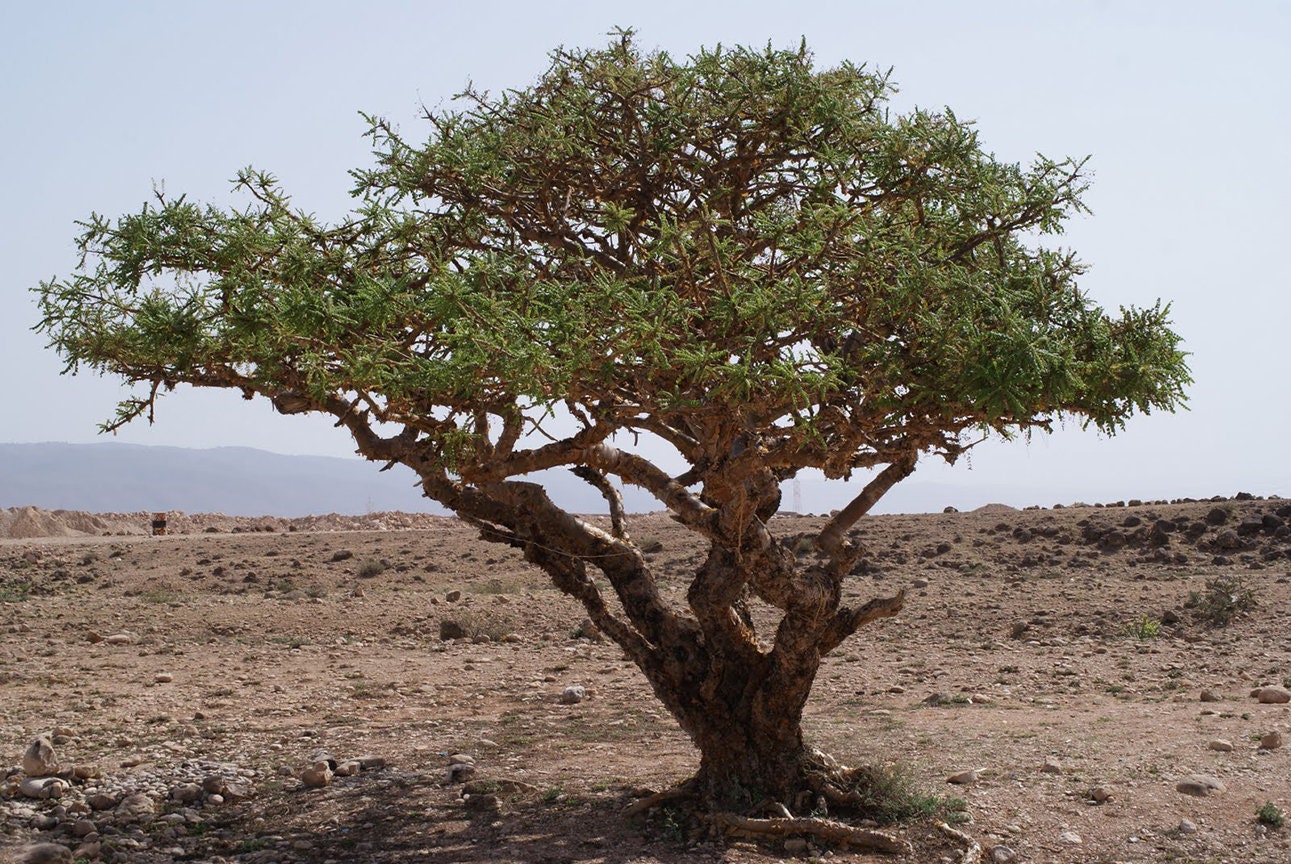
(1071, 838)
(796, 846)
(453, 596)
(44, 853)
(1222, 745)
(1003, 855)
(1051, 766)
(42, 788)
(1100, 794)
(1199, 785)
(40, 759)
(348, 768)
(371, 762)
(88, 851)
(102, 801)
(1272, 695)
(84, 827)
(119, 639)
(1187, 826)
(573, 694)
(1271, 741)
(1018, 629)
(963, 778)
(137, 807)
(461, 758)
(450, 630)
(186, 793)
(460, 772)
(486, 803)
(163, 678)
(1210, 696)
(44, 822)
(317, 775)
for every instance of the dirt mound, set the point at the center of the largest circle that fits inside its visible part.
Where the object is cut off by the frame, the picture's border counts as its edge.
(32, 522)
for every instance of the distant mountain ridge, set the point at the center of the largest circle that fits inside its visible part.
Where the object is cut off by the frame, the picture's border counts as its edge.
(238, 481)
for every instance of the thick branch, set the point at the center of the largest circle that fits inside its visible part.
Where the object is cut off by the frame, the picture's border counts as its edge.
(831, 539)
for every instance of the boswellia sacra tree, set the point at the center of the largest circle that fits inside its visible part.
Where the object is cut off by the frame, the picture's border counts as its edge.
(738, 259)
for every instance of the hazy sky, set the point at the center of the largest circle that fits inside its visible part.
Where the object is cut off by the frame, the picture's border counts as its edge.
(1183, 107)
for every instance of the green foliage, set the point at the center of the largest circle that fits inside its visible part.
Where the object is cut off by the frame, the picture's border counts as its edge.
(734, 241)
(1224, 598)
(1270, 814)
(891, 793)
(1143, 629)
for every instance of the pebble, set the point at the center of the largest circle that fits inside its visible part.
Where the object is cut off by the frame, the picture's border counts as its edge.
(119, 639)
(573, 694)
(1051, 766)
(1071, 838)
(963, 778)
(1222, 745)
(1210, 696)
(1271, 741)
(39, 760)
(1271, 695)
(163, 678)
(460, 772)
(1101, 794)
(1003, 855)
(1199, 785)
(1187, 826)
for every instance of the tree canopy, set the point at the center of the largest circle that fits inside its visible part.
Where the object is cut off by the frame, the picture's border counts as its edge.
(737, 255)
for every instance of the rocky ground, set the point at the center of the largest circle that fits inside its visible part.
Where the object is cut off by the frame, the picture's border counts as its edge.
(1104, 682)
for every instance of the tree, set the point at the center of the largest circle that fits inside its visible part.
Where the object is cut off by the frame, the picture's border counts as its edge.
(735, 259)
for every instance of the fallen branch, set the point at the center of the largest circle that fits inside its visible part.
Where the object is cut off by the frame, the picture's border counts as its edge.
(973, 849)
(831, 832)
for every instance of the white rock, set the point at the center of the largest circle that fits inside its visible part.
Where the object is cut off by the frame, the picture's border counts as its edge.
(963, 778)
(573, 694)
(42, 788)
(1071, 838)
(1222, 745)
(1187, 826)
(1003, 855)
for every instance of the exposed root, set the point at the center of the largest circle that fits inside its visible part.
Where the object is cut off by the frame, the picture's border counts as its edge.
(972, 849)
(833, 833)
(658, 799)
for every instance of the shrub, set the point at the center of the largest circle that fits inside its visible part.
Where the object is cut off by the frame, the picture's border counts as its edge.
(1224, 598)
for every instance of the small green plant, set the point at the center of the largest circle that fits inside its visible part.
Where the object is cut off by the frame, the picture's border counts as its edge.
(1143, 629)
(1224, 598)
(890, 793)
(1270, 815)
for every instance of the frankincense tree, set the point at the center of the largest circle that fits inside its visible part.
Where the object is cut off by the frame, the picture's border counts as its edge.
(736, 258)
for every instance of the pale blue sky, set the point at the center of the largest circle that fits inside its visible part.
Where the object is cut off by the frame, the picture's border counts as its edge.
(1183, 107)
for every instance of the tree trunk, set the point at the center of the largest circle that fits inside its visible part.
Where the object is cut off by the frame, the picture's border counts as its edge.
(749, 764)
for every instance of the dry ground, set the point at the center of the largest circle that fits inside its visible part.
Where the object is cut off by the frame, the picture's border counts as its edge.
(1027, 636)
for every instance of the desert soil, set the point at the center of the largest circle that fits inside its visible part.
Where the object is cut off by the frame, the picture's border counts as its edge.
(187, 681)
